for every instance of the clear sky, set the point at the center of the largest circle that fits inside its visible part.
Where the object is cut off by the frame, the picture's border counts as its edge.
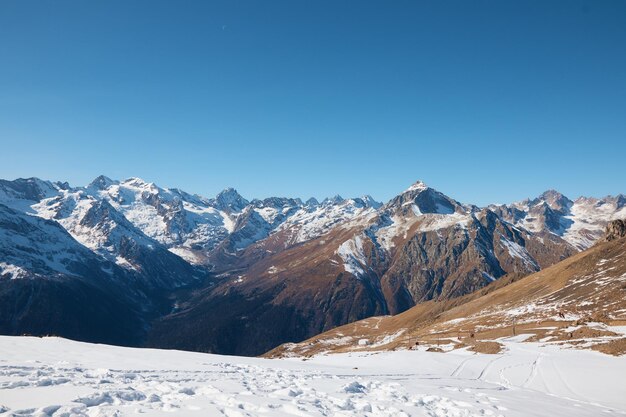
(487, 101)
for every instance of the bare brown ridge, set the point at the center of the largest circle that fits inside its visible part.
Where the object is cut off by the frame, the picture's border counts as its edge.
(573, 303)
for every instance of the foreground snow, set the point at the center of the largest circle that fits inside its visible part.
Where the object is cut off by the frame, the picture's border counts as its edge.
(58, 377)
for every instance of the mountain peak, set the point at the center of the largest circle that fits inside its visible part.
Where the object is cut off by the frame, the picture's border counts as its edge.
(336, 199)
(230, 199)
(420, 199)
(370, 202)
(312, 202)
(417, 186)
(551, 193)
(101, 182)
(228, 190)
(136, 181)
(554, 199)
(32, 188)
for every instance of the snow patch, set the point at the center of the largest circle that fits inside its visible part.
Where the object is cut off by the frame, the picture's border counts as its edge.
(354, 260)
(517, 251)
(13, 271)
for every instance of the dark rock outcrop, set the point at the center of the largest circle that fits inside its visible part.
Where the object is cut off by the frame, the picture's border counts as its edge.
(615, 230)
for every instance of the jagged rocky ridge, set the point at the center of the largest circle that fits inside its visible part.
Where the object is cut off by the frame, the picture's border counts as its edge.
(283, 269)
(616, 229)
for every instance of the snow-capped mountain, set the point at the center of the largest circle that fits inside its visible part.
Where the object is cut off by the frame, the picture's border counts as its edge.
(107, 213)
(321, 264)
(421, 245)
(96, 224)
(51, 284)
(193, 226)
(71, 264)
(580, 222)
(188, 225)
(32, 245)
(315, 220)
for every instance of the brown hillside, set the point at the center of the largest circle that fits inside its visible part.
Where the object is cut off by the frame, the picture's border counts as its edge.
(574, 302)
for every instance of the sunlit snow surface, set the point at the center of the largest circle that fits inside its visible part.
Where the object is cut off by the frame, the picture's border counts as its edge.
(57, 377)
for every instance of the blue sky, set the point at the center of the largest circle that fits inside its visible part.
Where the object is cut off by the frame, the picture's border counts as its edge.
(488, 101)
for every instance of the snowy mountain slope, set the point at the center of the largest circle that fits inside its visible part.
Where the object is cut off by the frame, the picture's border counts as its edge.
(434, 247)
(23, 192)
(100, 227)
(73, 253)
(580, 222)
(39, 377)
(36, 246)
(314, 221)
(277, 224)
(258, 220)
(51, 284)
(94, 223)
(188, 225)
(418, 205)
(193, 226)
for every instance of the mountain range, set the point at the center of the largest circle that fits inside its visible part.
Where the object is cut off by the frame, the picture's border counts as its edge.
(129, 262)
(577, 303)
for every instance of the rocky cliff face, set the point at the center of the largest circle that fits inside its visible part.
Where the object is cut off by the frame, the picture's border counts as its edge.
(615, 230)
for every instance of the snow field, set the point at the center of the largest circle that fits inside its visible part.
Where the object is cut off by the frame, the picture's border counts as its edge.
(58, 377)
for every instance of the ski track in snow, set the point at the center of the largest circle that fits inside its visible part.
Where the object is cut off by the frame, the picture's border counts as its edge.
(56, 377)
